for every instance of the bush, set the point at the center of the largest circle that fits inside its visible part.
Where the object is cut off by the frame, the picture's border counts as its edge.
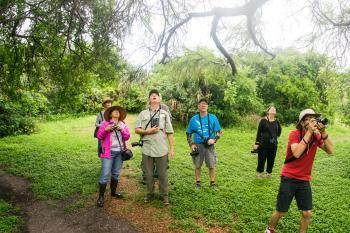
(132, 97)
(13, 121)
(184, 80)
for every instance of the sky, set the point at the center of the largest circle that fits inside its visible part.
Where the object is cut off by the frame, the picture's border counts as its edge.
(285, 23)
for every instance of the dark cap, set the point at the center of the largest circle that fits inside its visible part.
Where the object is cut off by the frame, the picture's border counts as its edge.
(203, 100)
(153, 91)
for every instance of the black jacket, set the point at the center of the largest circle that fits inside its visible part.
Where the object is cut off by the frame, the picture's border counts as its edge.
(268, 132)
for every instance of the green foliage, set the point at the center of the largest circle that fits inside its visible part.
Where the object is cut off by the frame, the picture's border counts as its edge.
(62, 59)
(9, 219)
(132, 96)
(13, 120)
(295, 81)
(199, 74)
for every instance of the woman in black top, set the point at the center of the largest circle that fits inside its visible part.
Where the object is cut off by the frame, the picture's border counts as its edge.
(266, 142)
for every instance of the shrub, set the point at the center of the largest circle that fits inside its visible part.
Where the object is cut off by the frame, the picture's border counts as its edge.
(13, 121)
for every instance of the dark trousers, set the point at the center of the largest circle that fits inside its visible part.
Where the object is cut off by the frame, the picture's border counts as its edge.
(266, 154)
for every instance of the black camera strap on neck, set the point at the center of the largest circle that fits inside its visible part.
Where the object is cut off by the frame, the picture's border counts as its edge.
(200, 122)
(121, 146)
(102, 119)
(268, 127)
(151, 117)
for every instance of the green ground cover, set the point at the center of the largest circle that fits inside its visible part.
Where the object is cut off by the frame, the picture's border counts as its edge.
(60, 160)
(9, 219)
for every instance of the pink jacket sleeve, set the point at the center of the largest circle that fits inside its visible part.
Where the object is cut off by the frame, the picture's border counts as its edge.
(125, 132)
(101, 133)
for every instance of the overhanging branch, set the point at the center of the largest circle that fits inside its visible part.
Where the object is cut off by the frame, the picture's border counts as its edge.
(219, 45)
(252, 34)
(248, 10)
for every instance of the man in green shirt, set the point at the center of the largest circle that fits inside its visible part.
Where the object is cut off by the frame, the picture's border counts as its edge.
(154, 126)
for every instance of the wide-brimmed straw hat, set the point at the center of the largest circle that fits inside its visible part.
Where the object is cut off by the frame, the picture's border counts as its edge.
(106, 100)
(122, 113)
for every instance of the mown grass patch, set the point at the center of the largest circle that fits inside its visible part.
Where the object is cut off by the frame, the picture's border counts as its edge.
(61, 160)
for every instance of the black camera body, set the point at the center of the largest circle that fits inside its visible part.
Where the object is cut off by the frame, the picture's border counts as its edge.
(194, 153)
(155, 122)
(139, 143)
(323, 121)
(254, 151)
(273, 141)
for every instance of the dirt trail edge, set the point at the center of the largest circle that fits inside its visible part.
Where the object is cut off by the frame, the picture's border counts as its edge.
(49, 216)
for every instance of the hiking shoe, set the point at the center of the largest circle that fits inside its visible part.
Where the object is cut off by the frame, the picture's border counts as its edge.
(198, 185)
(148, 198)
(269, 230)
(165, 200)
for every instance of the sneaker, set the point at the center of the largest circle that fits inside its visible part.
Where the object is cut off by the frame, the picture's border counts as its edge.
(148, 198)
(269, 230)
(268, 176)
(259, 175)
(198, 185)
(213, 185)
(165, 200)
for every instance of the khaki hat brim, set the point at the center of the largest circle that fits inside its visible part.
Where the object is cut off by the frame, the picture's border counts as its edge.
(122, 113)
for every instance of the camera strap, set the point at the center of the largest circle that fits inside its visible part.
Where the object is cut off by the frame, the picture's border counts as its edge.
(200, 122)
(121, 146)
(102, 118)
(158, 111)
(269, 129)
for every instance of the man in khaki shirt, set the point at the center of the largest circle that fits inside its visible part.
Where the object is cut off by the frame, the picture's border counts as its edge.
(154, 126)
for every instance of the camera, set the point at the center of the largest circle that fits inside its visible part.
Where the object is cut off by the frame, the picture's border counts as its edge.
(194, 153)
(254, 151)
(139, 143)
(155, 122)
(273, 141)
(323, 121)
(115, 127)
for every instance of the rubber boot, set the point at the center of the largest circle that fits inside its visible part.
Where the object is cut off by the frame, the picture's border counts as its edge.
(114, 193)
(101, 197)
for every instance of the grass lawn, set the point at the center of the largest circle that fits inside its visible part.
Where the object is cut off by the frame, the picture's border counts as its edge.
(61, 160)
(8, 217)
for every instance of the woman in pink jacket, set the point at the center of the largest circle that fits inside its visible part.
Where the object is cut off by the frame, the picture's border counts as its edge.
(113, 133)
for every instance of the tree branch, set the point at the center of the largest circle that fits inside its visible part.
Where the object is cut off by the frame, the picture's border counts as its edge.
(248, 10)
(219, 45)
(252, 34)
(171, 32)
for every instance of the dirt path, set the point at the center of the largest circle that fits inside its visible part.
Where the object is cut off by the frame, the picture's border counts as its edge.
(49, 216)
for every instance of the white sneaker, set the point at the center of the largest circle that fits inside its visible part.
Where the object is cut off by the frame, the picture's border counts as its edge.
(268, 230)
(259, 175)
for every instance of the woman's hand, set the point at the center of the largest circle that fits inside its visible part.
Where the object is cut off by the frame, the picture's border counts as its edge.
(109, 127)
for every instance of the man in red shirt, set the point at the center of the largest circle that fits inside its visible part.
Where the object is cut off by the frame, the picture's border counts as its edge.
(296, 172)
